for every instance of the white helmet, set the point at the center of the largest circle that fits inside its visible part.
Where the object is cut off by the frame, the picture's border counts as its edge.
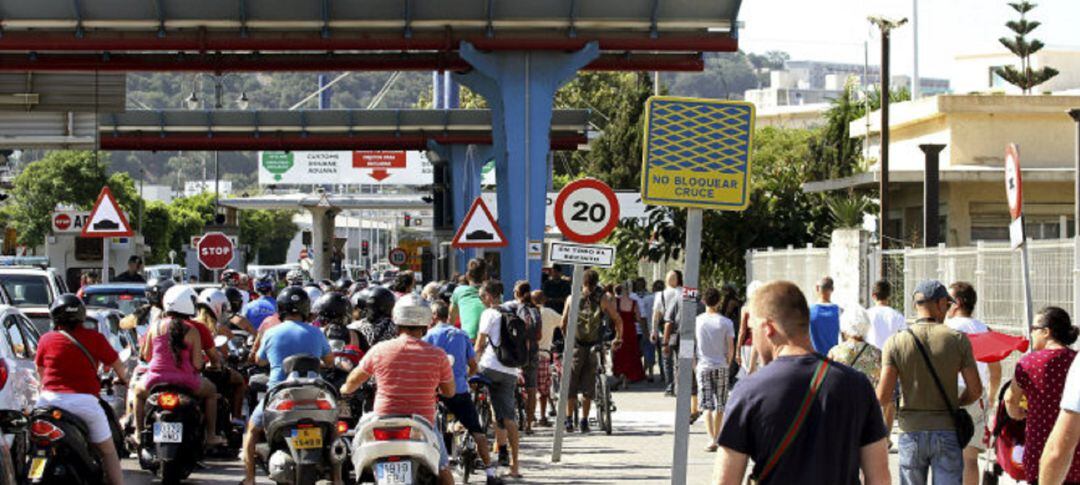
(411, 311)
(313, 292)
(180, 299)
(215, 300)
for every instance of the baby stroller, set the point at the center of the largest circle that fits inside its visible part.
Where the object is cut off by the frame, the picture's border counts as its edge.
(1006, 451)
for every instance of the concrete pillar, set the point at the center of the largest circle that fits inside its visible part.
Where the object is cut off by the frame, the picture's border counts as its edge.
(847, 250)
(520, 90)
(322, 240)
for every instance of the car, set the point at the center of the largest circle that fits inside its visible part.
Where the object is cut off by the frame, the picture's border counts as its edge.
(124, 341)
(174, 271)
(125, 297)
(18, 345)
(32, 290)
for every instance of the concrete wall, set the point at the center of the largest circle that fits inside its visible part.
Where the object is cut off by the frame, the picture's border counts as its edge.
(847, 266)
(1045, 139)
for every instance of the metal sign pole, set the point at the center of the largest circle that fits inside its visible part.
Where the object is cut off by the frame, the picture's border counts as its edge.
(687, 316)
(1026, 274)
(567, 363)
(105, 259)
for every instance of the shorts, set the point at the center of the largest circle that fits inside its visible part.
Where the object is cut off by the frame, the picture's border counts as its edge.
(256, 418)
(529, 372)
(461, 406)
(713, 384)
(501, 391)
(977, 410)
(543, 375)
(87, 407)
(583, 372)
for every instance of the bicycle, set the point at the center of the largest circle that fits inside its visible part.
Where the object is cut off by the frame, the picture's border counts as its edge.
(602, 403)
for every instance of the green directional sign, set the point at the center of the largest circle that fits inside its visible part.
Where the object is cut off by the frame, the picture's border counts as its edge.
(277, 163)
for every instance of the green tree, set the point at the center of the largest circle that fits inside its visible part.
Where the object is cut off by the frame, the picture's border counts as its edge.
(1025, 77)
(268, 233)
(158, 231)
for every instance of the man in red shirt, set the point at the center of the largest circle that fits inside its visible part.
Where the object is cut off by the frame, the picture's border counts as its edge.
(407, 370)
(69, 378)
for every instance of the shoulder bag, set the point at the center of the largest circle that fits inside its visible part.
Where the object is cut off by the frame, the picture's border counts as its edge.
(93, 362)
(796, 425)
(965, 426)
(856, 359)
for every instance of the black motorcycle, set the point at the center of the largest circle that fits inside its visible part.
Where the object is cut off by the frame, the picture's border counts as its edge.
(60, 450)
(172, 438)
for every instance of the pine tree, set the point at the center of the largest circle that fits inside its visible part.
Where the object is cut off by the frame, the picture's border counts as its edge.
(1024, 78)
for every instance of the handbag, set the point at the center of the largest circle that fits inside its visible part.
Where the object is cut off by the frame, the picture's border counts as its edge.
(965, 426)
(796, 425)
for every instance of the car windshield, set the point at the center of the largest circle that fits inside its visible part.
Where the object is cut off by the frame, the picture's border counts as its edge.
(125, 302)
(27, 290)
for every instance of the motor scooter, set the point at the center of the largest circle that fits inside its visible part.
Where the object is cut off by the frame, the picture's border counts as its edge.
(396, 449)
(173, 435)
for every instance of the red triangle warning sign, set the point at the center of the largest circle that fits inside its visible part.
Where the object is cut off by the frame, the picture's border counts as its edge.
(479, 229)
(106, 220)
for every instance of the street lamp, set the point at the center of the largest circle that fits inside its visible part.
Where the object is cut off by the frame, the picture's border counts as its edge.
(886, 26)
(242, 101)
(193, 102)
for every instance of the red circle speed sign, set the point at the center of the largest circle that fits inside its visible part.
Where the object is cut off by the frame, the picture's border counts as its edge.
(398, 257)
(586, 211)
(215, 250)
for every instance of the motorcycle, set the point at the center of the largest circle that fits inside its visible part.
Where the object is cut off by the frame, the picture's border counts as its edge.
(396, 449)
(172, 439)
(60, 452)
(301, 425)
(15, 441)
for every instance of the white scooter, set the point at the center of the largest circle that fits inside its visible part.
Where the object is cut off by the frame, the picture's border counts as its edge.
(396, 449)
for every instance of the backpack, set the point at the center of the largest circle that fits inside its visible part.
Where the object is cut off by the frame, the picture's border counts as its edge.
(534, 324)
(513, 348)
(591, 326)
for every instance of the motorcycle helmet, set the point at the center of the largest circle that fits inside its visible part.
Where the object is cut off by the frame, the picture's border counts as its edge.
(357, 286)
(359, 302)
(67, 310)
(229, 278)
(180, 299)
(446, 292)
(332, 308)
(313, 292)
(326, 286)
(264, 285)
(294, 301)
(380, 303)
(235, 298)
(343, 284)
(156, 288)
(215, 300)
(294, 277)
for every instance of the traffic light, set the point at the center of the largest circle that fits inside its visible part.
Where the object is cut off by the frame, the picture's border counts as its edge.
(364, 248)
(408, 219)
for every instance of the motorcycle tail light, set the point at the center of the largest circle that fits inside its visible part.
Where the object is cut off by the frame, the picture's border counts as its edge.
(290, 404)
(45, 432)
(3, 373)
(342, 427)
(392, 434)
(168, 400)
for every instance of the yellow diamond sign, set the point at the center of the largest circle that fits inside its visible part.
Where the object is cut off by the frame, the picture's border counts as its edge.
(697, 153)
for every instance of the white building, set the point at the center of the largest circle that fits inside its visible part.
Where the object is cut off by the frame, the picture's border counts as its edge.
(975, 72)
(803, 83)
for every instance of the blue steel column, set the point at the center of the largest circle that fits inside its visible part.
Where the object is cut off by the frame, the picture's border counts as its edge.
(520, 87)
(466, 163)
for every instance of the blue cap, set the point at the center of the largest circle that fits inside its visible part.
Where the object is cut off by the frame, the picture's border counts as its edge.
(931, 290)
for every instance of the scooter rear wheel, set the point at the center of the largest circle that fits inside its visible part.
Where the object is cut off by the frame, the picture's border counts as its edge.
(173, 473)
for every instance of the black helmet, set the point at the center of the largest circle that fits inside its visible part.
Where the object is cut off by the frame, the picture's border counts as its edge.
(156, 288)
(236, 299)
(379, 302)
(446, 291)
(359, 301)
(326, 285)
(333, 308)
(357, 287)
(343, 284)
(67, 309)
(293, 300)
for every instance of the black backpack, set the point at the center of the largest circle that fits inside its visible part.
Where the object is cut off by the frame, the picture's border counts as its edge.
(514, 341)
(534, 325)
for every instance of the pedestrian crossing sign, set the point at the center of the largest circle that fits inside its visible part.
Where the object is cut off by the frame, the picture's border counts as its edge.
(696, 153)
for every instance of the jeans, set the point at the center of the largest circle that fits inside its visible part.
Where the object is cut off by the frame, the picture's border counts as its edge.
(667, 363)
(921, 451)
(648, 353)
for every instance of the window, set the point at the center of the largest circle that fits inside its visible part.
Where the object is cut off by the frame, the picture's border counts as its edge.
(27, 289)
(22, 341)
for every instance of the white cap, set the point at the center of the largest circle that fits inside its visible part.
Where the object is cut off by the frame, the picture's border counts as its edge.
(411, 311)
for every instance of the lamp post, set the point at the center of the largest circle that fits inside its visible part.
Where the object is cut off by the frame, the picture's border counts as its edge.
(193, 102)
(886, 26)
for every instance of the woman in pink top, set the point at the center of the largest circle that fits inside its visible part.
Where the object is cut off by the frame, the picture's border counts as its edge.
(1040, 376)
(174, 349)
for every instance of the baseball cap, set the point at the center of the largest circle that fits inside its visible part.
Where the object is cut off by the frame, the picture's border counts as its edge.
(931, 290)
(410, 311)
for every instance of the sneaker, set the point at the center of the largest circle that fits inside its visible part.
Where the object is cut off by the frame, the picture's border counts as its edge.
(584, 426)
(494, 481)
(569, 425)
(694, 417)
(504, 457)
(669, 392)
(711, 448)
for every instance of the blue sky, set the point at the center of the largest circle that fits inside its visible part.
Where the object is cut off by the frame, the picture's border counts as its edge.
(834, 30)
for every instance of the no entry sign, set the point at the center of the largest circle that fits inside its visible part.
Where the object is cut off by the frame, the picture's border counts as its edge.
(215, 251)
(586, 211)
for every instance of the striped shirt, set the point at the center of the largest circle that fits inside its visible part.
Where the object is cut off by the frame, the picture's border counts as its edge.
(408, 371)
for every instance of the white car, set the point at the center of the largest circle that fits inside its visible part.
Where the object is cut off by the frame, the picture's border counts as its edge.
(18, 345)
(32, 290)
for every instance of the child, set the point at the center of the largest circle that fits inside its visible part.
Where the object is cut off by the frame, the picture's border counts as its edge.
(715, 348)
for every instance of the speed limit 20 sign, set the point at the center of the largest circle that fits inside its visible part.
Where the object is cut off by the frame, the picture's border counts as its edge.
(586, 211)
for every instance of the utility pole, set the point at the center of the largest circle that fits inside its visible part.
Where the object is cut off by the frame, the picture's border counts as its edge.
(886, 26)
(916, 89)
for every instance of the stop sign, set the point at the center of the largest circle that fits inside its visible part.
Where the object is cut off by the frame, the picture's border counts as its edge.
(215, 250)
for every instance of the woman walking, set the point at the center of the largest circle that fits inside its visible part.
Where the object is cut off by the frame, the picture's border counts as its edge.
(1040, 377)
(626, 361)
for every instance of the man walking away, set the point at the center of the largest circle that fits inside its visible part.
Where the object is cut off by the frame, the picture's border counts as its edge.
(503, 377)
(801, 419)
(715, 348)
(929, 437)
(885, 322)
(959, 319)
(664, 330)
(645, 301)
(824, 318)
(593, 306)
(465, 304)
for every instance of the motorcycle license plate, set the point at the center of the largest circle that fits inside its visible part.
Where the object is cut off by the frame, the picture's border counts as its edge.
(37, 468)
(393, 473)
(307, 438)
(168, 432)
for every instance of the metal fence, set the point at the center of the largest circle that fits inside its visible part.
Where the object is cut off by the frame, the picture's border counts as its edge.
(993, 268)
(803, 266)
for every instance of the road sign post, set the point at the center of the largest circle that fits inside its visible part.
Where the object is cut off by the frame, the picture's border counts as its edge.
(586, 211)
(1014, 192)
(696, 155)
(106, 221)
